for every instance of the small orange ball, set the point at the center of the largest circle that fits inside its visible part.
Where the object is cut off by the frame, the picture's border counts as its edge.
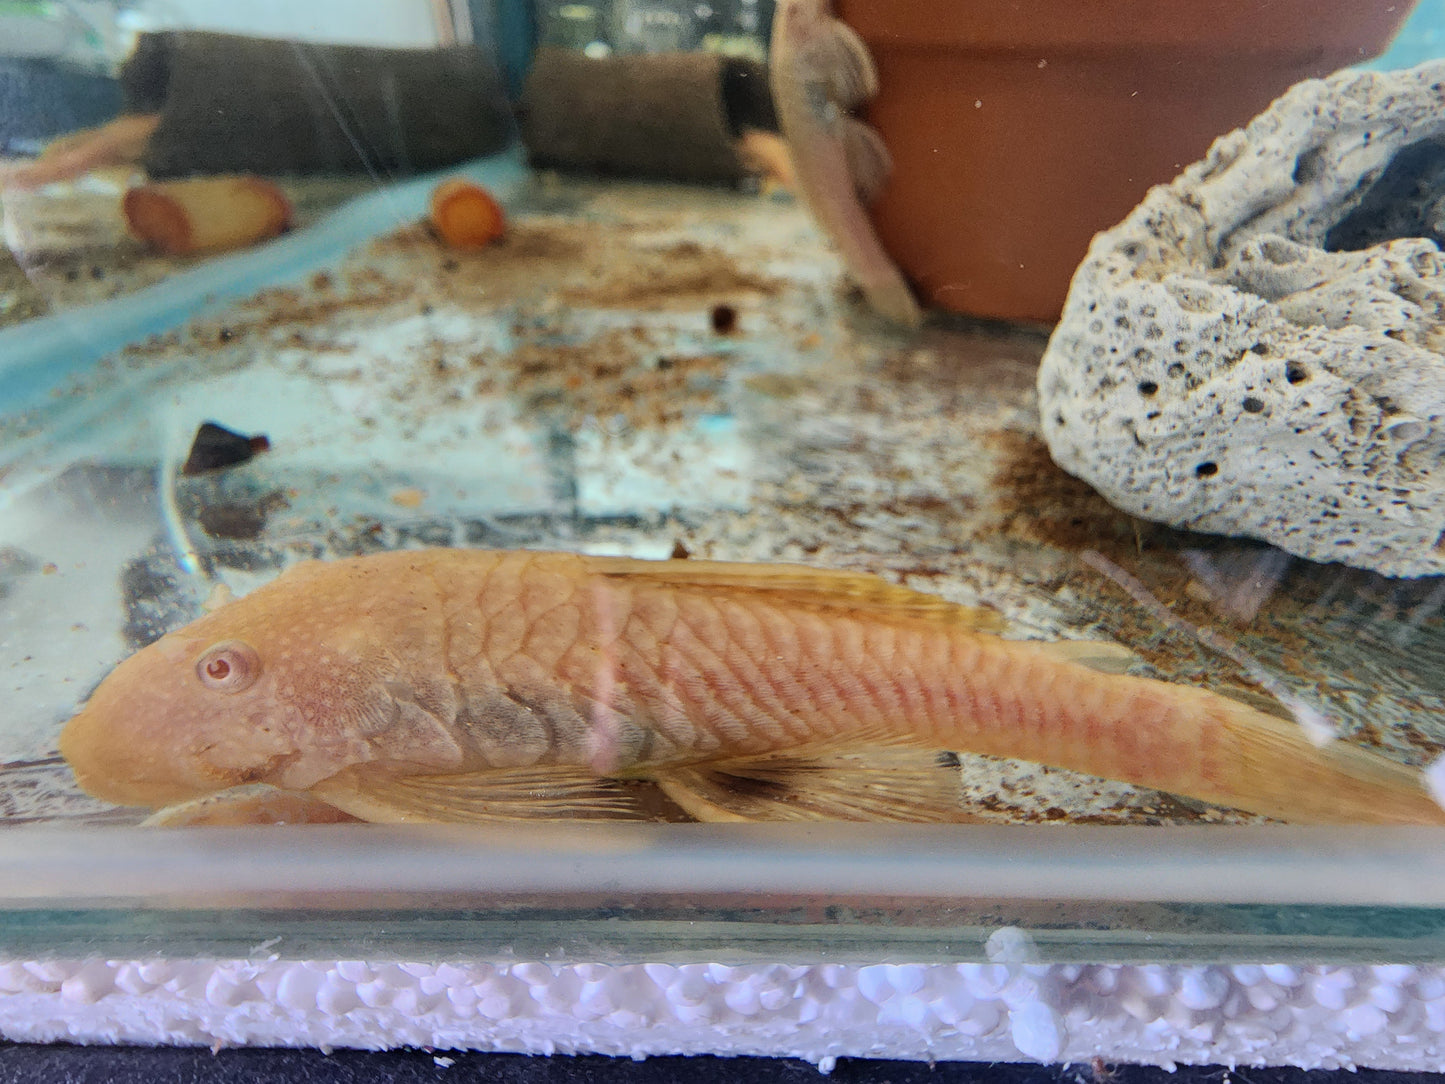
(465, 215)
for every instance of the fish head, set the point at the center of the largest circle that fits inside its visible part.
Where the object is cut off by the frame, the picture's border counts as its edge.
(284, 686)
(181, 718)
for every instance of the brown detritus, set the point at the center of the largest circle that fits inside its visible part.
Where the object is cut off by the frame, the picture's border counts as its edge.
(779, 385)
(1039, 502)
(922, 506)
(724, 319)
(1101, 1072)
(1020, 806)
(286, 307)
(610, 377)
(683, 270)
(581, 263)
(518, 250)
(153, 345)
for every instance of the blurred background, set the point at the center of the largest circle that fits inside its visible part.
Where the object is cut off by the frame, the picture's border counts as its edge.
(59, 58)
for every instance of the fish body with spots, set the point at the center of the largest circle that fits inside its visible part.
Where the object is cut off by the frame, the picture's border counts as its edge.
(467, 685)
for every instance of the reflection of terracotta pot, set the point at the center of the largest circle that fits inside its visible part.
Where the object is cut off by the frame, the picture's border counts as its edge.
(1020, 129)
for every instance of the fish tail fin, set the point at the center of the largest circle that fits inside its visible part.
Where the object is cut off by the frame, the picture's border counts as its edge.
(1281, 772)
(1046, 706)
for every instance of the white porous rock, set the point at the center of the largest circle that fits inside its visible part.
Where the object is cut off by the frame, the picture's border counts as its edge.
(1259, 348)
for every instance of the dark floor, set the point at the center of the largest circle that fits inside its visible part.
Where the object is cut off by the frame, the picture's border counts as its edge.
(120, 1065)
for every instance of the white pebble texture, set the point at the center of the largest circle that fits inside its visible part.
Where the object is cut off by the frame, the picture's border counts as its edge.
(1387, 1016)
(1259, 348)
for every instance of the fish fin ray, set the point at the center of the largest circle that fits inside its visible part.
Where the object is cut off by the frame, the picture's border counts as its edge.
(859, 780)
(869, 162)
(254, 803)
(817, 588)
(480, 797)
(846, 63)
(1101, 656)
(894, 301)
(1280, 773)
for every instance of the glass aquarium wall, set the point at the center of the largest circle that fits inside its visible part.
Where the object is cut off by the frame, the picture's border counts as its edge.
(830, 468)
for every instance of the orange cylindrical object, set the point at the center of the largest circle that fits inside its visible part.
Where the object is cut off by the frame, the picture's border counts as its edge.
(1018, 131)
(206, 214)
(465, 215)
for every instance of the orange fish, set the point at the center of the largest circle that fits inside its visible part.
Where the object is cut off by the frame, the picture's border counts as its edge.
(819, 68)
(467, 685)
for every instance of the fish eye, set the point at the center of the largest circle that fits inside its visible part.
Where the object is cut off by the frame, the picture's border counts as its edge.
(228, 667)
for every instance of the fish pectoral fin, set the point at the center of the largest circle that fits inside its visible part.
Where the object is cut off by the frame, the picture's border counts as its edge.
(840, 57)
(254, 803)
(869, 162)
(1102, 656)
(855, 781)
(480, 797)
(816, 588)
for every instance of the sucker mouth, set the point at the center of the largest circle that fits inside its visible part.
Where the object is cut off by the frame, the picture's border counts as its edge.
(266, 773)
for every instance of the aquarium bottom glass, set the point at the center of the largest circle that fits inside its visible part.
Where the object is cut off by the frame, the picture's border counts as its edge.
(646, 371)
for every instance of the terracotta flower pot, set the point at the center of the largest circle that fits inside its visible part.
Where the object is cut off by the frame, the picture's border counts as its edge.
(1020, 129)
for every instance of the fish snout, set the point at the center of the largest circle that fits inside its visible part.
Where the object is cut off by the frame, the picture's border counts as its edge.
(114, 766)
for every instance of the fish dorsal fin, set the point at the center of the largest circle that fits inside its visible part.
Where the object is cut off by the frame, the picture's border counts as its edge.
(869, 162)
(480, 797)
(860, 780)
(1102, 656)
(840, 57)
(800, 585)
(220, 595)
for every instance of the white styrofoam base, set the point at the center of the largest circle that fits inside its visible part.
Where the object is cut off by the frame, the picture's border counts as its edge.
(1313, 1017)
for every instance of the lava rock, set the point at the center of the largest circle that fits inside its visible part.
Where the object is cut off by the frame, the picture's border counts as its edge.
(1258, 349)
